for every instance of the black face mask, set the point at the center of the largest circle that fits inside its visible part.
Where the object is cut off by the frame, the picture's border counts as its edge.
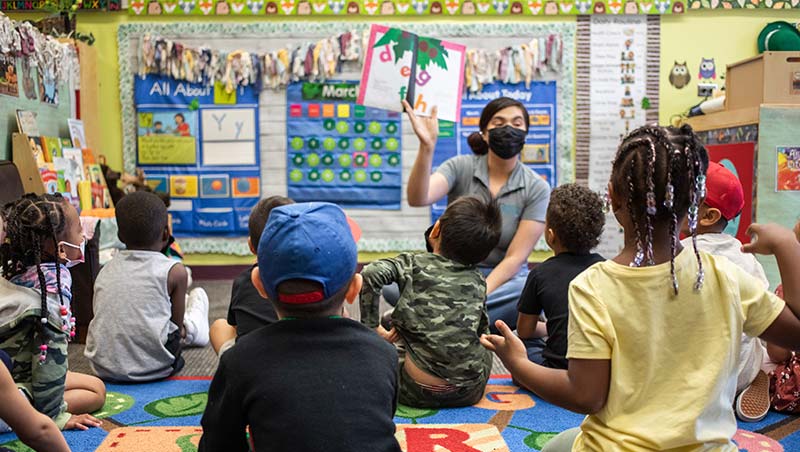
(507, 142)
(428, 245)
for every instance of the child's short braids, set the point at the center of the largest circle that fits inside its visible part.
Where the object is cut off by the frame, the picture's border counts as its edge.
(30, 221)
(666, 181)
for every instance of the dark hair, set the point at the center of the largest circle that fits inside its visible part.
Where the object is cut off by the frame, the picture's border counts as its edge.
(260, 214)
(662, 173)
(475, 140)
(301, 286)
(158, 123)
(30, 223)
(141, 219)
(575, 214)
(470, 230)
(181, 115)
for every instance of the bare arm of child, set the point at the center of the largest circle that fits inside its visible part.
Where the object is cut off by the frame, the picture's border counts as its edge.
(527, 326)
(33, 428)
(176, 284)
(778, 354)
(583, 388)
(780, 242)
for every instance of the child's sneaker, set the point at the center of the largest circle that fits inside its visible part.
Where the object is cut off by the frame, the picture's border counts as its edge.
(195, 319)
(753, 403)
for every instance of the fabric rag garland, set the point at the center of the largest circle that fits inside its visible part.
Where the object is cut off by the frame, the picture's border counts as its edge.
(323, 59)
(56, 61)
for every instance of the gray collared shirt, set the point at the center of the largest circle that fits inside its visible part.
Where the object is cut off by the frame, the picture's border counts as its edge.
(525, 195)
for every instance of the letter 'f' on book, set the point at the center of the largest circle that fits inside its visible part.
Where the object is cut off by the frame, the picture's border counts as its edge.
(427, 72)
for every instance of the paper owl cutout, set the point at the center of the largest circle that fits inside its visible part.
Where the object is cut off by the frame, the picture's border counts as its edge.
(679, 75)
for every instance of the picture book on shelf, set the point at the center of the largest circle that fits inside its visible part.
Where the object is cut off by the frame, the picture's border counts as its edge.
(75, 155)
(39, 156)
(51, 146)
(101, 197)
(49, 178)
(77, 134)
(427, 72)
(69, 174)
(26, 123)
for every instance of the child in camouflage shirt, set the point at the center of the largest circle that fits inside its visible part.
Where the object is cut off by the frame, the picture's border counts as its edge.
(441, 313)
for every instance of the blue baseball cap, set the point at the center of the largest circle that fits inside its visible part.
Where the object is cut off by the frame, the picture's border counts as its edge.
(311, 241)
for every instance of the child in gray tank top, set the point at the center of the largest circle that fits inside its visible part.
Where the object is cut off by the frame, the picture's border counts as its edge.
(142, 315)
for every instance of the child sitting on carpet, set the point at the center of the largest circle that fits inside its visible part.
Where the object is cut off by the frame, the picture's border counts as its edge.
(573, 225)
(665, 322)
(312, 381)
(35, 429)
(43, 239)
(724, 202)
(248, 310)
(142, 315)
(441, 313)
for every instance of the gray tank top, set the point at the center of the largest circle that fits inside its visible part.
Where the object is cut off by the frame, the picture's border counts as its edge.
(132, 311)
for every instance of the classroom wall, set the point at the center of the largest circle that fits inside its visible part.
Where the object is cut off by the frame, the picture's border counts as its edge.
(726, 36)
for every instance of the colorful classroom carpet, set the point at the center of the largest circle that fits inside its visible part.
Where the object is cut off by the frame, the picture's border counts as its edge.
(165, 417)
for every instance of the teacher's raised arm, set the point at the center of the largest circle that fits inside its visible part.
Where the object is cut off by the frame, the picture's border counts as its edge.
(493, 172)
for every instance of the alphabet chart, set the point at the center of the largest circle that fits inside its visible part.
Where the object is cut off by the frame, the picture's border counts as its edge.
(539, 153)
(201, 146)
(341, 152)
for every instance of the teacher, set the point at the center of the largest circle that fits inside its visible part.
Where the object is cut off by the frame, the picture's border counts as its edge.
(493, 172)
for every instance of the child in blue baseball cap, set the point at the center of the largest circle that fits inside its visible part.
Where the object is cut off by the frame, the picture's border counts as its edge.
(313, 380)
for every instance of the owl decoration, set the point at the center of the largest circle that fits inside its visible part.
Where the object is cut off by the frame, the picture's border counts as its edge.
(708, 70)
(679, 75)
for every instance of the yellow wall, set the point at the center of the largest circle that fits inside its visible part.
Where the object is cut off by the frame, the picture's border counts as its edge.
(726, 36)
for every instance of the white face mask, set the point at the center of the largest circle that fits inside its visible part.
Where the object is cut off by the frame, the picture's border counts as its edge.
(82, 247)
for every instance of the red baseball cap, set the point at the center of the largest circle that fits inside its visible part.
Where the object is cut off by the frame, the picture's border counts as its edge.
(724, 191)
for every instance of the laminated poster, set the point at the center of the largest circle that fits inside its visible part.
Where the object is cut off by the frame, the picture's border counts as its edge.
(201, 146)
(341, 152)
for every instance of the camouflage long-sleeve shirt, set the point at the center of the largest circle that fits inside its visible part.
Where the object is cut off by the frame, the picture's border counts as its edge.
(20, 313)
(440, 315)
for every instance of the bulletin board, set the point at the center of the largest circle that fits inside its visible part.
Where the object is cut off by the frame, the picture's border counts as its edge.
(382, 230)
(200, 145)
(540, 151)
(778, 199)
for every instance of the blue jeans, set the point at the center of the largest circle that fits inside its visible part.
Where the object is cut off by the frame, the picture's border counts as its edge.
(501, 304)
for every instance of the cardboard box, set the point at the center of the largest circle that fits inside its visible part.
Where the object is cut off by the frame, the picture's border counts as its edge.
(770, 78)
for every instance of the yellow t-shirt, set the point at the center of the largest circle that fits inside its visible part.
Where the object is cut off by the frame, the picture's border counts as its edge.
(673, 358)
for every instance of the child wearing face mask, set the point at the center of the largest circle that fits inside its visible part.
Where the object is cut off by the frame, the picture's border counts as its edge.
(43, 237)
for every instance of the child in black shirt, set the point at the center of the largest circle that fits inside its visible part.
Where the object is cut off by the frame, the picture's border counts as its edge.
(575, 220)
(247, 311)
(312, 381)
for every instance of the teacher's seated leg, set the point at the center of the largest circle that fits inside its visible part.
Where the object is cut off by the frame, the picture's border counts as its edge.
(502, 303)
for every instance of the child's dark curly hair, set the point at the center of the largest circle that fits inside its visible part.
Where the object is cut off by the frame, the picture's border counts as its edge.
(31, 222)
(576, 216)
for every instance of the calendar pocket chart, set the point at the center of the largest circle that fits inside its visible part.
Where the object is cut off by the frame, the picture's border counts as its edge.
(341, 152)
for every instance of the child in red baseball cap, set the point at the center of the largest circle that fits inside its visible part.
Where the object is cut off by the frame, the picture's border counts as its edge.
(724, 202)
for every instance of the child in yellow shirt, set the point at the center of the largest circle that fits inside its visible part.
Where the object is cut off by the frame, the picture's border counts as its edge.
(654, 333)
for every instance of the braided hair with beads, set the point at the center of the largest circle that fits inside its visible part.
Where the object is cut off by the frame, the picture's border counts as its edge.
(31, 223)
(661, 171)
